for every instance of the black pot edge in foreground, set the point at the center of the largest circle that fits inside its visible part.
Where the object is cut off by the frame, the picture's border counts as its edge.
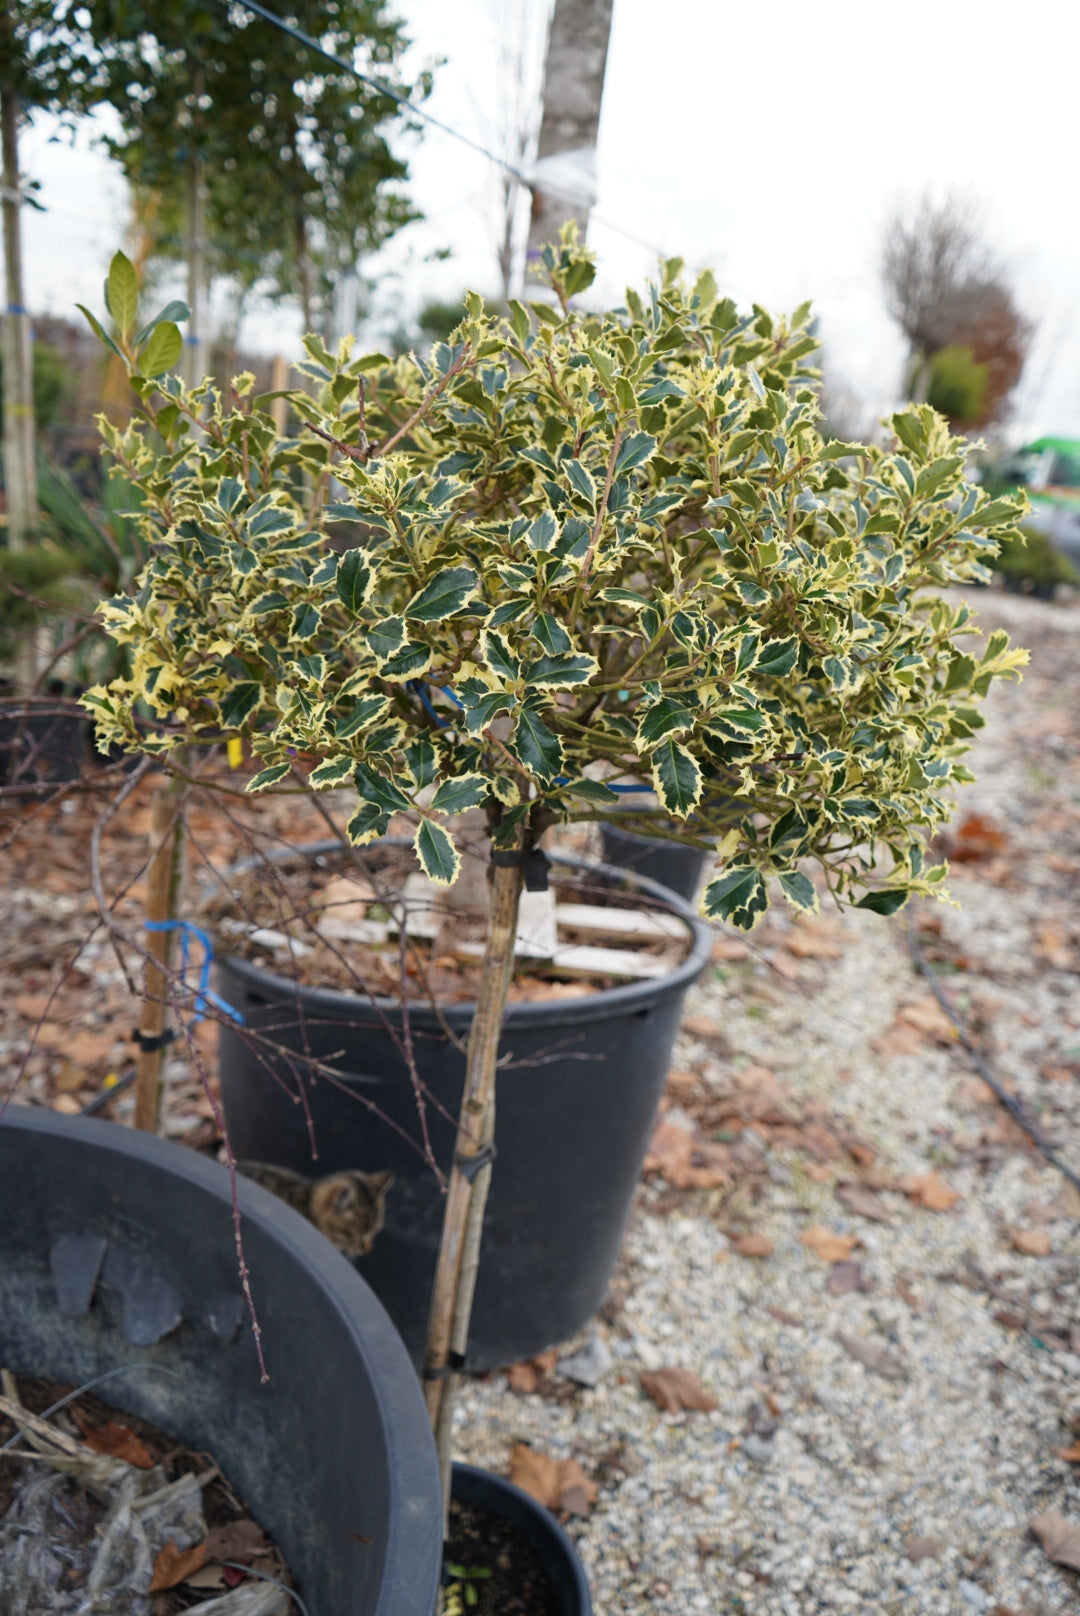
(591, 1007)
(136, 1184)
(552, 1546)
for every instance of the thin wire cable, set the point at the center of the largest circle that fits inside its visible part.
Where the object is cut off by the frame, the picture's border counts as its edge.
(403, 101)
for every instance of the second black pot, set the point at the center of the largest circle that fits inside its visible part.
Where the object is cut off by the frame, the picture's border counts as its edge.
(541, 1531)
(574, 1112)
(677, 868)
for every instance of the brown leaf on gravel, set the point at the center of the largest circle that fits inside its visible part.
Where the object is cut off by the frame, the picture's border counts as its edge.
(557, 1484)
(782, 1316)
(858, 1198)
(874, 1354)
(920, 1021)
(929, 1190)
(1054, 946)
(828, 1246)
(752, 1245)
(906, 1294)
(845, 1277)
(700, 1026)
(524, 1377)
(1071, 1454)
(921, 1548)
(675, 1389)
(1060, 1537)
(1060, 1074)
(976, 838)
(681, 1154)
(814, 939)
(1031, 1242)
(173, 1565)
(729, 948)
(117, 1440)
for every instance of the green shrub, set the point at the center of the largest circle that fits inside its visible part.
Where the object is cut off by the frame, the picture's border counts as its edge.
(958, 385)
(1031, 557)
(583, 547)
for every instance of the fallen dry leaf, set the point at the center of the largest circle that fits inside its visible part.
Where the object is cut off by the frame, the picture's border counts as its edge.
(729, 948)
(117, 1440)
(238, 1540)
(173, 1565)
(1071, 1454)
(828, 1246)
(929, 1190)
(524, 1377)
(916, 1022)
(859, 1198)
(1054, 945)
(819, 1172)
(675, 1389)
(1060, 1074)
(874, 1354)
(976, 838)
(1060, 1537)
(845, 1277)
(782, 1316)
(700, 1026)
(814, 939)
(906, 1294)
(752, 1245)
(558, 1484)
(681, 1154)
(1032, 1242)
(921, 1548)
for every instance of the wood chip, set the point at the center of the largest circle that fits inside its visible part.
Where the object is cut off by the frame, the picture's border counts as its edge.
(874, 1355)
(676, 1389)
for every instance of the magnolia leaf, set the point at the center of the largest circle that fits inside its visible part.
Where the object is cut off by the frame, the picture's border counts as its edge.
(446, 594)
(174, 311)
(334, 772)
(122, 293)
(439, 858)
(99, 330)
(539, 750)
(739, 896)
(162, 351)
(268, 777)
(799, 891)
(353, 580)
(677, 778)
(465, 791)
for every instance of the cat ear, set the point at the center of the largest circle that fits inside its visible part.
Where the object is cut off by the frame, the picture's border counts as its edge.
(380, 1182)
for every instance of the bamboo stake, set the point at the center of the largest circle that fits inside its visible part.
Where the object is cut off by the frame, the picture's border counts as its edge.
(459, 1248)
(162, 887)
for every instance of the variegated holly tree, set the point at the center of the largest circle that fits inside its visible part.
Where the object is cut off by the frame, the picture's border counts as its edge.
(567, 550)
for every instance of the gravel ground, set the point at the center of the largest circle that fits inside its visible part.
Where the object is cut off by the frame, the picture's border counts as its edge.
(811, 1484)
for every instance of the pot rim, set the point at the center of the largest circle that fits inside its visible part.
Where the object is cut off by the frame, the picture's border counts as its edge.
(549, 1526)
(608, 1003)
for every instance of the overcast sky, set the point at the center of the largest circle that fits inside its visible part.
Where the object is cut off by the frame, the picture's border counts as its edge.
(771, 140)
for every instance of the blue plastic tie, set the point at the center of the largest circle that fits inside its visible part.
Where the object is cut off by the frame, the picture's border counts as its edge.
(204, 994)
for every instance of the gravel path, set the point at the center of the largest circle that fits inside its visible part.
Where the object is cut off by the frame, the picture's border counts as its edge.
(818, 1482)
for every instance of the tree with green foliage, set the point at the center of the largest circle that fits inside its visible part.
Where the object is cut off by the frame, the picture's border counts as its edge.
(585, 548)
(266, 162)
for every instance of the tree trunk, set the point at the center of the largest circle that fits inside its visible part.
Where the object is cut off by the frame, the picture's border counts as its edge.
(463, 1220)
(566, 153)
(19, 469)
(162, 892)
(303, 268)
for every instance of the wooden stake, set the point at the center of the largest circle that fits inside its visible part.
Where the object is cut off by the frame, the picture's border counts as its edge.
(463, 1220)
(162, 885)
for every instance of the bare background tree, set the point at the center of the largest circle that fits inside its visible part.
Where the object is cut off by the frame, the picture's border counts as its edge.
(949, 292)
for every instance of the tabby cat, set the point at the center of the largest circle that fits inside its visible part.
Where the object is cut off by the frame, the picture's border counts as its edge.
(348, 1208)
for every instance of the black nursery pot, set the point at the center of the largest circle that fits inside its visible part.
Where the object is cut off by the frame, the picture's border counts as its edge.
(539, 1528)
(677, 868)
(44, 740)
(574, 1111)
(117, 1248)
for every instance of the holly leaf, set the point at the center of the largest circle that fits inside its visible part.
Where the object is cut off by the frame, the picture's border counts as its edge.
(268, 777)
(446, 594)
(353, 580)
(439, 858)
(738, 896)
(539, 750)
(334, 772)
(677, 778)
(455, 796)
(799, 891)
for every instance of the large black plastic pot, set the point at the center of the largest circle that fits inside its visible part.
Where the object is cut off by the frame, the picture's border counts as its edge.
(677, 868)
(574, 1111)
(539, 1528)
(117, 1248)
(44, 740)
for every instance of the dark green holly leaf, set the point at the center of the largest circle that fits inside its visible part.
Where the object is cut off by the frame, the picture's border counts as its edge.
(580, 481)
(465, 791)
(334, 772)
(446, 594)
(268, 777)
(551, 635)
(886, 901)
(439, 858)
(634, 451)
(367, 824)
(384, 638)
(799, 891)
(376, 788)
(363, 714)
(778, 657)
(739, 897)
(677, 778)
(353, 580)
(412, 660)
(239, 703)
(561, 672)
(306, 620)
(499, 657)
(668, 716)
(421, 760)
(539, 750)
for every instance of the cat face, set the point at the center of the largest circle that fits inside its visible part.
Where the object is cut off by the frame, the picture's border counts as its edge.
(349, 1209)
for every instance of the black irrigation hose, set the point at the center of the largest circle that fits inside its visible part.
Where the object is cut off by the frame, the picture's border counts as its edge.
(1009, 1101)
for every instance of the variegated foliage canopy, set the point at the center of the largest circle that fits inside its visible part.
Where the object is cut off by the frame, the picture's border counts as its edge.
(565, 550)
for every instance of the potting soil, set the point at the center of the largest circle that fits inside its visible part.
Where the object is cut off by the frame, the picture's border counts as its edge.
(508, 1579)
